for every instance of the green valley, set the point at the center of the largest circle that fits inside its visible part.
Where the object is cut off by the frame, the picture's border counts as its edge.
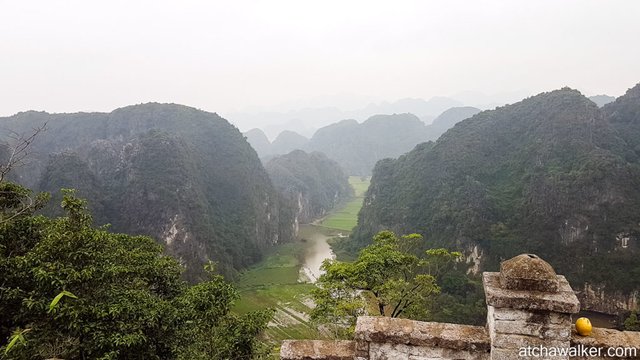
(281, 280)
(346, 217)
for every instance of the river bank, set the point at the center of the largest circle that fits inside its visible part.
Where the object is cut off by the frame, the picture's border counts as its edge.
(317, 250)
(283, 280)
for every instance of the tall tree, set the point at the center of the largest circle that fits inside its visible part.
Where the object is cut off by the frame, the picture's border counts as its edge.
(124, 299)
(392, 276)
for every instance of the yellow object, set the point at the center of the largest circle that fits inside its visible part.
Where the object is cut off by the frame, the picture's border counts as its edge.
(583, 326)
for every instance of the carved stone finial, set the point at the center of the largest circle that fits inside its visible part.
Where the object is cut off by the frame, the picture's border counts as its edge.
(528, 272)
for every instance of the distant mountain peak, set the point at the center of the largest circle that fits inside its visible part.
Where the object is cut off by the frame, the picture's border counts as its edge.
(602, 100)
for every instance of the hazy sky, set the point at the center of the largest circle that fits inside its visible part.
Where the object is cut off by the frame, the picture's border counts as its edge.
(66, 56)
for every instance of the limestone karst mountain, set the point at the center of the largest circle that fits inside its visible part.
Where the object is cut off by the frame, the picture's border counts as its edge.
(552, 174)
(312, 183)
(185, 176)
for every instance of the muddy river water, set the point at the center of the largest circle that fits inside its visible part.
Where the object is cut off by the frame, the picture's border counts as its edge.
(317, 250)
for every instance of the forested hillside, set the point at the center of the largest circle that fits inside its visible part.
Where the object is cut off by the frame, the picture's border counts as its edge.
(624, 115)
(552, 175)
(185, 176)
(311, 183)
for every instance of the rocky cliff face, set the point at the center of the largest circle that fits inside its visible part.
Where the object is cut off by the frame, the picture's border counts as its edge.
(551, 175)
(184, 176)
(312, 183)
(599, 298)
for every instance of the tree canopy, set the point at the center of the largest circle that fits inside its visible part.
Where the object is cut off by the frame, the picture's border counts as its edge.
(73, 291)
(392, 277)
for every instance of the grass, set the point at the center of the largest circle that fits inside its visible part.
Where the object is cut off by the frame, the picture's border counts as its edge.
(280, 266)
(273, 283)
(346, 217)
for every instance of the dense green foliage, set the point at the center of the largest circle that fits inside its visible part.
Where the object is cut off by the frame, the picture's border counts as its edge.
(624, 115)
(553, 175)
(184, 176)
(345, 217)
(70, 290)
(311, 183)
(632, 323)
(393, 276)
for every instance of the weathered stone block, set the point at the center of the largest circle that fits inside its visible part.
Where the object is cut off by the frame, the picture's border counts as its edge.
(508, 354)
(547, 317)
(317, 350)
(362, 349)
(510, 314)
(518, 327)
(609, 338)
(563, 333)
(519, 341)
(384, 351)
(563, 301)
(418, 333)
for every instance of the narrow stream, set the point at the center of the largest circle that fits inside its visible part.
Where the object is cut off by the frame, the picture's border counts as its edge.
(317, 250)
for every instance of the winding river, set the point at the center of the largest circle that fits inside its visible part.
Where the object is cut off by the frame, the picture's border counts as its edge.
(317, 250)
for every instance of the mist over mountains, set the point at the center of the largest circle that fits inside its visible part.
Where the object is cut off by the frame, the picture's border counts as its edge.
(358, 146)
(602, 100)
(306, 120)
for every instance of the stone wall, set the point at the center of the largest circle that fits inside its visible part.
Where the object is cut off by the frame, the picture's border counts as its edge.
(379, 338)
(528, 306)
(317, 350)
(382, 338)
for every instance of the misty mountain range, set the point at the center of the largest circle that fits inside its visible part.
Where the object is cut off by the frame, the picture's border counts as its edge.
(190, 178)
(307, 119)
(358, 146)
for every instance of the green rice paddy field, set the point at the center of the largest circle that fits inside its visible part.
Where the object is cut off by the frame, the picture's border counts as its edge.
(275, 281)
(346, 217)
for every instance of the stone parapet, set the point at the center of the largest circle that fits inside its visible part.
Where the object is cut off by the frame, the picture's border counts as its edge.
(627, 343)
(372, 329)
(317, 350)
(528, 306)
(562, 301)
